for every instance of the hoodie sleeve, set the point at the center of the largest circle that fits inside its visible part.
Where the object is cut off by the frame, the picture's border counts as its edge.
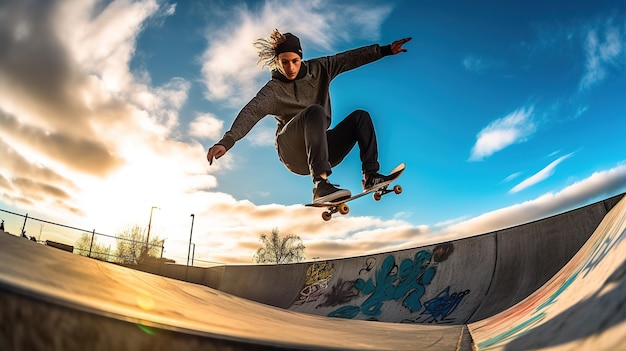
(248, 117)
(352, 59)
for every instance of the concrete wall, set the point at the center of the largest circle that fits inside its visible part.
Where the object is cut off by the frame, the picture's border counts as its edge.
(457, 282)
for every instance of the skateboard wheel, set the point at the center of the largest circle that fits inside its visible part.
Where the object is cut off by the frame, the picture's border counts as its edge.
(397, 189)
(344, 209)
(327, 216)
(377, 196)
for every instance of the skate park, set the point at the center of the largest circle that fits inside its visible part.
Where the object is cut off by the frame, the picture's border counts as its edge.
(555, 283)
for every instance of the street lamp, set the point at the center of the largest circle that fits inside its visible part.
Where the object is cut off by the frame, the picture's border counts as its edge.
(162, 246)
(149, 225)
(193, 216)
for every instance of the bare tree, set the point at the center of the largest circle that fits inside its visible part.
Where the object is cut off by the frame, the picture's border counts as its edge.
(85, 247)
(277, 249)
(132, 248)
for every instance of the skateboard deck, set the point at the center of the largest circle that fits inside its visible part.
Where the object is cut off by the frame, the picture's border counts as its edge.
(379, 191)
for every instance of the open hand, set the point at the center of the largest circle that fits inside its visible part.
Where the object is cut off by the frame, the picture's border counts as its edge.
(216, 152)
(396, 46)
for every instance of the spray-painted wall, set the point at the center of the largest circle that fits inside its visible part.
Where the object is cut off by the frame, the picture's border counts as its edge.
(412, 286)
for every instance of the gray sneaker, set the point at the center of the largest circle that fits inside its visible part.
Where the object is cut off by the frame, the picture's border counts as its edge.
(326, 192)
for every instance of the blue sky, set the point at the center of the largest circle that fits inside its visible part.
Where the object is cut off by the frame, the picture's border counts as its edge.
(504, 112)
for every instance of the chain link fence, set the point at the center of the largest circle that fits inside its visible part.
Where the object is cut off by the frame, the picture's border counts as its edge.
(110, 248)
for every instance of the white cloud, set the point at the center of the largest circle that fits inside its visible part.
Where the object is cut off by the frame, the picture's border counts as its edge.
(603, 50)
(511, 177)
(206, 125)
(503, 132)
(540, 176)
(474, 64)
(263, 136)
(97, 137)
(600, 183)
(403, 215)
(229, 65)
(450, 222)
(244, 221)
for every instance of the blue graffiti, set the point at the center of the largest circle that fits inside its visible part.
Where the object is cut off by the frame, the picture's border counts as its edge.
(602, 249)
(442, 305)
(347, 312)
(405, 283)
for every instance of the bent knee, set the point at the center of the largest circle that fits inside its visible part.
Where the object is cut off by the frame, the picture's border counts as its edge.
(315, 111)
(314, 114)
(361, 116)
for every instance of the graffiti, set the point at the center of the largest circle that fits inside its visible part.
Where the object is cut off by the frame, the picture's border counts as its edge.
(442, 252)
(344, 291)
(317, 276)
(319, 271)
(601, 250)
(340, 294)
(369, 265)
(437, 309)
(405, 283)
(382, 284)
(311, 292)
(441, 306)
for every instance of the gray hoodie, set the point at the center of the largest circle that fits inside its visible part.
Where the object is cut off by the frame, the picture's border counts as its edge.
(285, 98)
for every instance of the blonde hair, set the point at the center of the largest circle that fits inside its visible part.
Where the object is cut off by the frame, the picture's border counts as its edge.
(267, 49)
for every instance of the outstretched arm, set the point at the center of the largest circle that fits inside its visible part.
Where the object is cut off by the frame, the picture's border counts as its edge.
(257, 108)
(396, 46)
(351, 59)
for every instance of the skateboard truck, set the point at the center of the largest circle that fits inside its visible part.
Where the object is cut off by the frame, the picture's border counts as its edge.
(378, 194)
(342, 208)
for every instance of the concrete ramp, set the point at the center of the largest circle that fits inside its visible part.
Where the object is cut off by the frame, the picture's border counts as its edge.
(54, 300)
(557, 283)
(583, 307)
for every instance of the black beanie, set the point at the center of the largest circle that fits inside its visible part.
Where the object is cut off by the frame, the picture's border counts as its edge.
(291, 44)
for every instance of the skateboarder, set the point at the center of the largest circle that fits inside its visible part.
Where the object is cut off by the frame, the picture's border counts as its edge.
(298, 96)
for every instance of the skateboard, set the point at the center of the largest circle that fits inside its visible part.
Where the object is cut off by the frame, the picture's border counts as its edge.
(379, 191)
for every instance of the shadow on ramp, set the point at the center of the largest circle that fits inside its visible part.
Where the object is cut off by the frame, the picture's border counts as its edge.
(582, 322)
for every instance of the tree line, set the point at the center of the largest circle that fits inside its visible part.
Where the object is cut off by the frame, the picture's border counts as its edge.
(131, 248)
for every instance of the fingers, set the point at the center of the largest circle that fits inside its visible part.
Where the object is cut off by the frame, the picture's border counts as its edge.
(210, 156)
(215, 152)
(396, 46)
(403, 40)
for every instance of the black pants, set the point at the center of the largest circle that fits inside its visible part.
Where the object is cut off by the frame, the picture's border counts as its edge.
(305, 145)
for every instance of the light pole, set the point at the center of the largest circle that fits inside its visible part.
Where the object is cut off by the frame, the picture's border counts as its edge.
(162, 246)
(193, 216)
(149, 225)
